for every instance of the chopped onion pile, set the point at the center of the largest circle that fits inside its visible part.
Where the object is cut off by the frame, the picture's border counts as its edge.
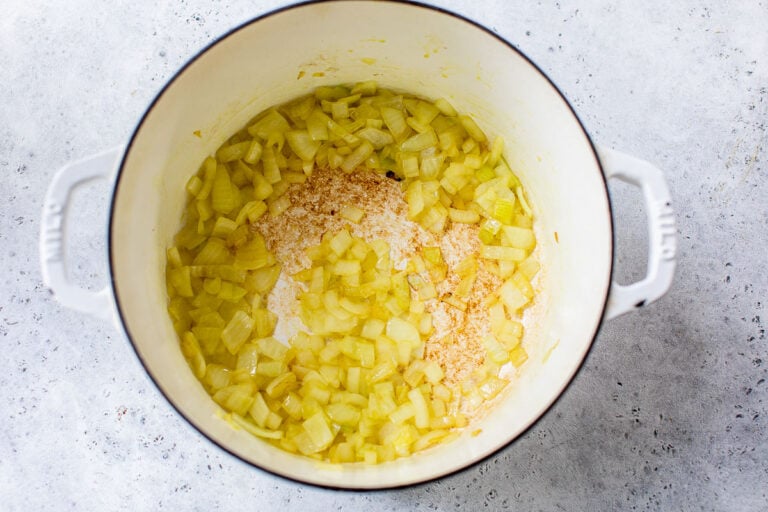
(354, 386)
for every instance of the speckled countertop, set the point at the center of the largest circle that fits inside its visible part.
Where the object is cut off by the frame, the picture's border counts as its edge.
(668, 413)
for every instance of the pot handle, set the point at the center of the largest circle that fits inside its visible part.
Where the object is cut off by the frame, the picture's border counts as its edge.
(53, 232)
(662, 234)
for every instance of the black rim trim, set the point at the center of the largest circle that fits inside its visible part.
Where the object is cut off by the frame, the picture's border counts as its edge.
(119, 310)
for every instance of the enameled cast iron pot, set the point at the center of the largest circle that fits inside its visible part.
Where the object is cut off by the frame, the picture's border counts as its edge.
(403, 46)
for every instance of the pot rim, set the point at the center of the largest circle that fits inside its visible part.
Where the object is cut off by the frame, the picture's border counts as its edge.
(199, 54)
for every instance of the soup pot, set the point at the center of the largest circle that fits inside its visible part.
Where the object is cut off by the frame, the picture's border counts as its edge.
(402, 46)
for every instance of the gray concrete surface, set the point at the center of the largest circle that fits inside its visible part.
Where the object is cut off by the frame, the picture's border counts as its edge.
(670, 410)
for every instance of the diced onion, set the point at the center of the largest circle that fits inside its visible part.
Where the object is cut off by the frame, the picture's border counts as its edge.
(354, 386)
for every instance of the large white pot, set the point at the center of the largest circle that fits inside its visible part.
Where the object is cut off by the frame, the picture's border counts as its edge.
(402, 46)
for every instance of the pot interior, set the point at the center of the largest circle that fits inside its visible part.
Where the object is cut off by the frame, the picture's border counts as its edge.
(404, 47)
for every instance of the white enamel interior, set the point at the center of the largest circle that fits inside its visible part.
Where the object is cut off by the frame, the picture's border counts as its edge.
(405, 47)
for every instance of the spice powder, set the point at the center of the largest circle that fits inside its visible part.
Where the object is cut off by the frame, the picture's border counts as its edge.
(455, 342)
